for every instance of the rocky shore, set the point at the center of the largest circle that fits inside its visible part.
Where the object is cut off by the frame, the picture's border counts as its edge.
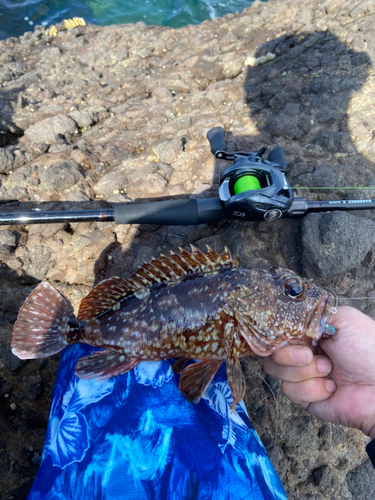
(100, 115)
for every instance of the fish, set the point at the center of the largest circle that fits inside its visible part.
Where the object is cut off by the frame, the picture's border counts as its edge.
(201, 308)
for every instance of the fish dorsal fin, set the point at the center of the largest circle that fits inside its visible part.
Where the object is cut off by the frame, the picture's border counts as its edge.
(104, 296)
(170, 269)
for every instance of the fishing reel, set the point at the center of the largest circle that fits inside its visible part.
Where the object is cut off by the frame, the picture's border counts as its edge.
(253, 187)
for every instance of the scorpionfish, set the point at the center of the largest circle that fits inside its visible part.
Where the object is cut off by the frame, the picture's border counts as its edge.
(193, 305)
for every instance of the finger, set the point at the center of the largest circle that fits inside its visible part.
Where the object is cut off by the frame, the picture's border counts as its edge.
(319, 367)
(292, 355)
(308, 391)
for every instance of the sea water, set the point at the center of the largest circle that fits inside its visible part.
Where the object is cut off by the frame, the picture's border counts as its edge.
(19, 16)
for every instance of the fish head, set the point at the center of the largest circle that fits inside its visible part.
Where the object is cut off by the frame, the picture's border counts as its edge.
(302, 307)
(280, 307)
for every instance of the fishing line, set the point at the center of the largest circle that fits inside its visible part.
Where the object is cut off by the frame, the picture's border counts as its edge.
(355, 298)
(338, 188)
(334, 310)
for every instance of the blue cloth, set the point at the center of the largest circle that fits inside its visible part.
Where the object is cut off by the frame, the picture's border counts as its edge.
(135, 437)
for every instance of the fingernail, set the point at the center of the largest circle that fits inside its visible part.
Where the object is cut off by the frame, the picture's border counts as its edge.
(330, 385)
(324, 365)
(301, 355)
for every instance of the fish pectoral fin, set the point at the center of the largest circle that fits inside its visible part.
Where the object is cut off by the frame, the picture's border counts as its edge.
(195, 378)
(236, 379)
(179, 365)
(104, 365)
(258, 343)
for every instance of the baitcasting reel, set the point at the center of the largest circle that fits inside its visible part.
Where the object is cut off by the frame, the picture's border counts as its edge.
(252, 188)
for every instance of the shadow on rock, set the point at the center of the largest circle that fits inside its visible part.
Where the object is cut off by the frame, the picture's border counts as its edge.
(298, 91)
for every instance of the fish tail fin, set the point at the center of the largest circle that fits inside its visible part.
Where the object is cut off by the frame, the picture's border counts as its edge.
(45, 324)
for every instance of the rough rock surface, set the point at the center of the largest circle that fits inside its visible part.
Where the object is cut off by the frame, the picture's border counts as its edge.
(119, 113)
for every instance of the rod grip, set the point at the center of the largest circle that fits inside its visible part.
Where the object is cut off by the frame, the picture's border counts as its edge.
(170, 212)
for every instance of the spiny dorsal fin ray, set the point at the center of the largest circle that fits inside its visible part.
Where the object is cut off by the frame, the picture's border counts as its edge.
(162, 270)
(104, 296)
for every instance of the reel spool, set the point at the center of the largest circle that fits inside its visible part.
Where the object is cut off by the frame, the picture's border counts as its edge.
(246, 183)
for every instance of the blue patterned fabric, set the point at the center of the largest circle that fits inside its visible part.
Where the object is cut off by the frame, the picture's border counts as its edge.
(135, 437)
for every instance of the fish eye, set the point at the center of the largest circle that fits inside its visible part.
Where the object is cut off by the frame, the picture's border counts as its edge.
(294, 288)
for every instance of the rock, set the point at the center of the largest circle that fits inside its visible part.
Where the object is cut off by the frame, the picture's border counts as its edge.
(216, 97)
(145, 254)
(34, 387)
(6, 252)
(50, 53)
(361, 481)
(143, 182)
(11, 361)
(27, 80)
(6, 161)
(167, 149)
(162, 94)
(84, 119)
(323, 476)
(172, 128)
(8, 132)
(111, 183)
(51, 129)
(281, 125)
(335, 242)
(62, 176)
(334, 142)
(8, 237)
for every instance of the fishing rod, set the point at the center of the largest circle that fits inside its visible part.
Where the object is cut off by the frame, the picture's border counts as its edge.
(253, 188)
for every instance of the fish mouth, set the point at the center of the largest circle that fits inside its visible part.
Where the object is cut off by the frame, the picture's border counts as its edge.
(320, 315)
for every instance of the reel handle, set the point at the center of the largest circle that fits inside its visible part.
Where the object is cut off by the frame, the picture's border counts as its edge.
(215, 137)
(277, 155)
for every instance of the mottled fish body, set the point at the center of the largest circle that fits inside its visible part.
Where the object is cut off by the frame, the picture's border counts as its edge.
(189, 306)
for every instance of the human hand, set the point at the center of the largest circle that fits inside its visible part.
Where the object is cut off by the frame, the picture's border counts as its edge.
(335, 381)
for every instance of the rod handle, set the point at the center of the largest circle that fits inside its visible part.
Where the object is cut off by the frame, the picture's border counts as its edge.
(171, 212)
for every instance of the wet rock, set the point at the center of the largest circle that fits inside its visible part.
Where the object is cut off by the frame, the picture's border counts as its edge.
(51, 129)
